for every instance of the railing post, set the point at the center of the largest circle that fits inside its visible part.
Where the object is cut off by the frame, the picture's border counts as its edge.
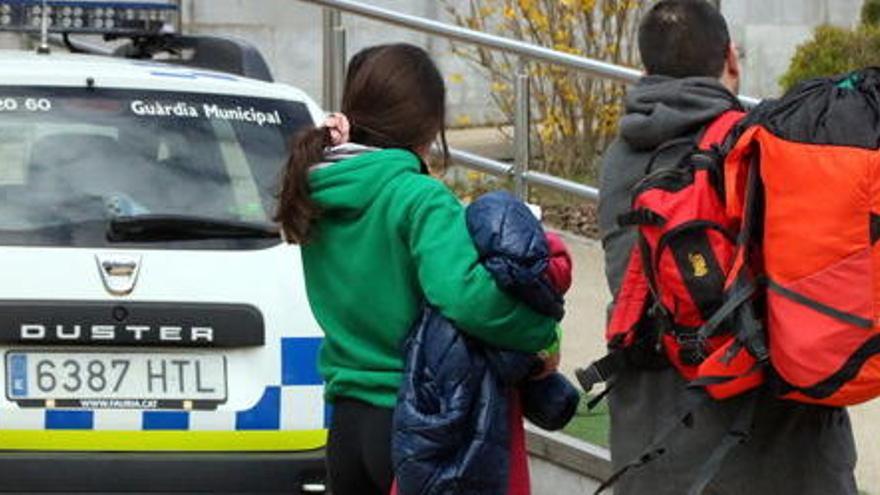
(522, 130)
(340, 47)
(334, 59)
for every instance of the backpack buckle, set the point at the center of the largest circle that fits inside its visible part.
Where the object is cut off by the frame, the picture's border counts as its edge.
(661, 315)
(662, 321)
(692, 348)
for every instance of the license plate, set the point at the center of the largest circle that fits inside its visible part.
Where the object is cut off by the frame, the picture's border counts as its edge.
(115, 380)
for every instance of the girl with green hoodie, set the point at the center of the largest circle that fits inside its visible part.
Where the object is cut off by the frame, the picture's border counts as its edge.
(379, 237)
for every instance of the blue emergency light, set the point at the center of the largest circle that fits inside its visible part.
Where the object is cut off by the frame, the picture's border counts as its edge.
(87, 16)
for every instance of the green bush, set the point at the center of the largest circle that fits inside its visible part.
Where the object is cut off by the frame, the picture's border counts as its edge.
(835, 50)
(871, 13)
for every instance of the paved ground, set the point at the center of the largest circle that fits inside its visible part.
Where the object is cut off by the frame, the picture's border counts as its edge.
(866, 419)
(486, 141)
(584, 324)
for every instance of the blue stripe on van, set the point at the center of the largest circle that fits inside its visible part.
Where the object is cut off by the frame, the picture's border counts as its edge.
(165, 420)
(299, 361)
(70, 420)
(265, 415)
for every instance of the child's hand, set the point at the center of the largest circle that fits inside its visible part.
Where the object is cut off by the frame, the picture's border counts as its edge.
(551, 364)
(550, 357)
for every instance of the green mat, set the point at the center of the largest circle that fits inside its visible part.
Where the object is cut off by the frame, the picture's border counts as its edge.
(590, 426)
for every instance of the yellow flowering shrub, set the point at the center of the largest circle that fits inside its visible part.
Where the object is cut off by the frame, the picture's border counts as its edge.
(574, 115)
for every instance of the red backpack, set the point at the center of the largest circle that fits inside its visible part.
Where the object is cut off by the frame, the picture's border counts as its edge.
(672, 297)
(687, 293)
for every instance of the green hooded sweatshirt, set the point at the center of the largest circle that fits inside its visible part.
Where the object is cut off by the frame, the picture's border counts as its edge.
(389, 238)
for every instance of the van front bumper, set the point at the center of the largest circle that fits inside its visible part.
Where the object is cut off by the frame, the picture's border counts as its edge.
(162, 472)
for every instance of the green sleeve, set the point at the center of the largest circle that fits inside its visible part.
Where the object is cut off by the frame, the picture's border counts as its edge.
(456, 283)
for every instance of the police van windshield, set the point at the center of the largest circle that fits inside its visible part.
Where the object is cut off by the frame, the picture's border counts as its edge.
(73, 160)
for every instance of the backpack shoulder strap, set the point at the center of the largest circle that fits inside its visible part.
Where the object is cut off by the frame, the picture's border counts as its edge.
(715, 133)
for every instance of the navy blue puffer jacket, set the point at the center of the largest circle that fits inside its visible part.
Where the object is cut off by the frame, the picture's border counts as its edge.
(451, 433)
(513, 248)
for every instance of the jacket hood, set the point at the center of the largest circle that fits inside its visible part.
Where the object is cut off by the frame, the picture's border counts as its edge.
(659, 109)
(350, 184)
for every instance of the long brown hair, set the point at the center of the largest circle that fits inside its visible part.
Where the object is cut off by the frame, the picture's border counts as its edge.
(394, 97)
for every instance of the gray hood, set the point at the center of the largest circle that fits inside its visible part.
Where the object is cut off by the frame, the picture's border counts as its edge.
(659, 109)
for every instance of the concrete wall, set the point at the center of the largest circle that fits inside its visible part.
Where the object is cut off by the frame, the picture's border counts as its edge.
(288, 33)
(560, 464)
(549, 478)
(769, 32)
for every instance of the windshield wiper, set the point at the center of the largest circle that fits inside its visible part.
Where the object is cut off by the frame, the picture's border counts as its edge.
(158, 228)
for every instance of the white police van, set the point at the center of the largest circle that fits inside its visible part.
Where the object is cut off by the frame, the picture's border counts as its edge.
(154, 328)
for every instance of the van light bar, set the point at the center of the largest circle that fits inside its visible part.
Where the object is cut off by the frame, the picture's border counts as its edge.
(86, 16)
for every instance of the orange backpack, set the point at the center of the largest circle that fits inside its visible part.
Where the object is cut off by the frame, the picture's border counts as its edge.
(815, 167)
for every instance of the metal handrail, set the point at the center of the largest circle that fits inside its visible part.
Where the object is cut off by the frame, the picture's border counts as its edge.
(334, 49)
(457, 33)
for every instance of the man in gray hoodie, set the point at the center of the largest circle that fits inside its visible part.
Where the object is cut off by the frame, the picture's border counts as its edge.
(794, 449)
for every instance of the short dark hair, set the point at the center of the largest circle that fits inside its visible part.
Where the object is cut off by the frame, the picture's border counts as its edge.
(684, 38)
